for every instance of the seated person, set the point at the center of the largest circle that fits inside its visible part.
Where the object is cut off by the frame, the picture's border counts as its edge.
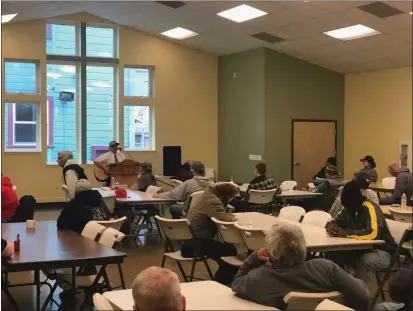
(361, 219)
(321, 173)
(7, 248)
(183, 191)
(363, 181)
(156, 289)
(213, 203)
(145, 178)
(72, 171)
(369, 166)
(329, 187)
(400, 290)
(260, 182)
(404, 184)
(86, 206)
(185, 173)
(270, 273)
(9, 199)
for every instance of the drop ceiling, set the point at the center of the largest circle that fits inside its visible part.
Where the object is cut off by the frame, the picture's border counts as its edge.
(297, 26)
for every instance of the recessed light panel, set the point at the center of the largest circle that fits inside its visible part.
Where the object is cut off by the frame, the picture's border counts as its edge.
(352, 32)
(179, 33)
(7, 18)
(242, 13)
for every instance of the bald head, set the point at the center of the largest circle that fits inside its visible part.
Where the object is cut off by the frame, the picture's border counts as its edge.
(157, 289)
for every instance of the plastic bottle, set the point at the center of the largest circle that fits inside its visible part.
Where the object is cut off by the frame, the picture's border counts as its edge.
(112, 182)
(403, 202)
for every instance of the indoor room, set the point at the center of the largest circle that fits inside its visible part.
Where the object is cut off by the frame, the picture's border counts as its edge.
(206, 155)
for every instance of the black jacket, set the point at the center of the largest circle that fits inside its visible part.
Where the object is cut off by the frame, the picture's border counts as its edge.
(320, 174)
(86, 206)
(368, 224)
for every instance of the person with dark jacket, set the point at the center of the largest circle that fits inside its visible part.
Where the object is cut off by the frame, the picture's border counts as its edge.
(213, 203)
(146, 178)
(400, 290)
(329, 187)
(369, 166)
(86, 206)
(72, 172)
(361, 219)
(321, 173)
(185, 172)
(404, 184)
(9, 199)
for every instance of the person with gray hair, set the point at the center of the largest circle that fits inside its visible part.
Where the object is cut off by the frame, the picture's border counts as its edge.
(72, 172)
(157, 288)
(270, 273)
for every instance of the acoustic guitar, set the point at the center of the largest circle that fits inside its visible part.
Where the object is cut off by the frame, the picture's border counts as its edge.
(100, 174)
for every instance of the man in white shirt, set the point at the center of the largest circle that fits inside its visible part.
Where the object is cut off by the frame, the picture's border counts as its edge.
(112, 156)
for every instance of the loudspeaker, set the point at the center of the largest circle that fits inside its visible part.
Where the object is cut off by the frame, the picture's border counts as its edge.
(171, 160)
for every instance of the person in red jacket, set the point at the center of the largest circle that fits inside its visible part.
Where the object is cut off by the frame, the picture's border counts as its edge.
(9, 199)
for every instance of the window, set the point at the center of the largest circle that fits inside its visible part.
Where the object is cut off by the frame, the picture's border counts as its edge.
(20, 77)
(61, 39)
(61, 109)
(100, 108)
(138, 127)
(22, 126)
(81, 88)
(137, 82)
(100, 42)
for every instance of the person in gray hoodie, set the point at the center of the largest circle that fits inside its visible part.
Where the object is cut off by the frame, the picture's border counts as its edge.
(183, 192)
(404, 184)
(270, 273)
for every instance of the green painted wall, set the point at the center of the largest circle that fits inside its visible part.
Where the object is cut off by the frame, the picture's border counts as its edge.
(257, 105)
(240, 113)
(295, 89)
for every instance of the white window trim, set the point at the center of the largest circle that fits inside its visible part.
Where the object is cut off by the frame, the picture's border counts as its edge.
(151, 141)
(115, 38)
(151, 92)
(22, 122)
(36, 62)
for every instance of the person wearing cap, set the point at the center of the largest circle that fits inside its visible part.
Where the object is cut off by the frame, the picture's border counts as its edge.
(86, 206)
(363, 181)
(362, 220)
(404, 184)
(112, 156)
(72, 172)
(369, 166)
(183, 192)
(400, 290)
(321, 173)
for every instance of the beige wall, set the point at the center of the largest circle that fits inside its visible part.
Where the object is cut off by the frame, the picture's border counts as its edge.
(186, 104)
(377, 117)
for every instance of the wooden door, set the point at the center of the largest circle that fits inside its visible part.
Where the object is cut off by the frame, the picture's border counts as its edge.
(313, 143)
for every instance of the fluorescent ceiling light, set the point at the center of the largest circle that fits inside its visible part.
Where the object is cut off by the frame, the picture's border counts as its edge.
(352, 32)
(68, 69)
(53, 75)
(100, 84)
(7, 18)
(242, 13)
(179, 33)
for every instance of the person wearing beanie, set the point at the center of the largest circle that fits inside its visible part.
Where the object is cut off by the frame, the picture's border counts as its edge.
(363, 220)
(404, 185)
(72, 171)
(183, 192)
(363, 181)
(321, 173)
(87, 205)
(369, 166)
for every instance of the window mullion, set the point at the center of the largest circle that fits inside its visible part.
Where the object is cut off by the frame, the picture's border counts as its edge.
(83, 99)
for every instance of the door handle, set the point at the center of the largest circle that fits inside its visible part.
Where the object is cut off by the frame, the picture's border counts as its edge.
(296, 163)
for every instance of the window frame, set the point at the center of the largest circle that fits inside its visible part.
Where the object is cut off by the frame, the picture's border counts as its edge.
(151, 138)
(11, 145)
(151, 92)
(37, 75)
(115, 39)
(65, 23)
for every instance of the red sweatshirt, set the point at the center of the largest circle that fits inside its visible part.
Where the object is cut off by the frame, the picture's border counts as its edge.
(9, 199)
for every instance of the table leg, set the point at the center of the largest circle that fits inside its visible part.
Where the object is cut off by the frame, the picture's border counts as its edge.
(74, 284)
(122, 280)
(37, 282)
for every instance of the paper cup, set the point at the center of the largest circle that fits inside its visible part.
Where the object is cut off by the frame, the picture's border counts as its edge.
(30, 224)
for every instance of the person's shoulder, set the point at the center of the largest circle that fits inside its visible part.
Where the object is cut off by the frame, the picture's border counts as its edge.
(321, 264)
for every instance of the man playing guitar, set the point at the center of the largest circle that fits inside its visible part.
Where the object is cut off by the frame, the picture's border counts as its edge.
(112, 156)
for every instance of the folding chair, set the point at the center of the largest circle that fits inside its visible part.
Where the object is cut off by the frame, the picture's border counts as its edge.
(293, 213)
(180, 230)
(260, 198)
(308, 301)
(401, 232)
(253, 238)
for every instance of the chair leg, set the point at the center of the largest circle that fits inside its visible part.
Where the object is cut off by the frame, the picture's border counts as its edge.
(122, 280)
(163, 261)
(208, 269)
(182, 271)
(191, 276)
(380, 286)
